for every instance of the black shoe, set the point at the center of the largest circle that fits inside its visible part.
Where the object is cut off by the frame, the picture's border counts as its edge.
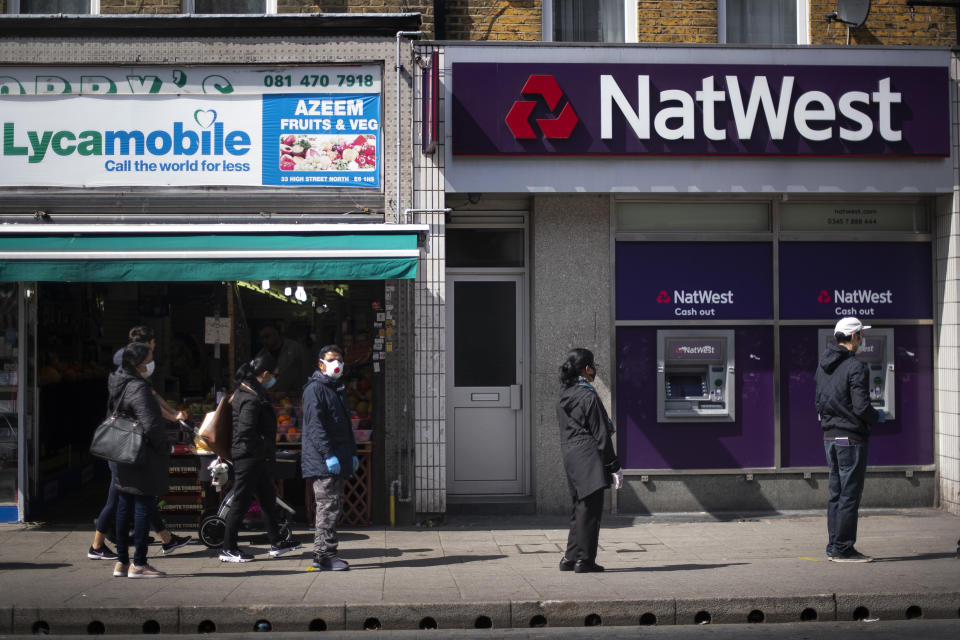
(282, 547)
(566, 565)
(330, 564)
(175, 543)
(851, 556)
(583, 566)
(103, 553)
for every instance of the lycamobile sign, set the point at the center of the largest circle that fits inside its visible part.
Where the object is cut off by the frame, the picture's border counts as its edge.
(175, 141)
(157, 126)
(699, 109)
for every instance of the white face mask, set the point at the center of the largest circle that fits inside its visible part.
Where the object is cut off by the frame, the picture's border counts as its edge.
(150, 367)
(333, 368)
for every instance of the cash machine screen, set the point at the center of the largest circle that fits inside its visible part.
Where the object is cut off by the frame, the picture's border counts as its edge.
(873, 350)
(685, 386)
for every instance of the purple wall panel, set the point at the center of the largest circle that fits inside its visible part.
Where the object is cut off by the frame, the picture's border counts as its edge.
(643, 443)
(906, 440)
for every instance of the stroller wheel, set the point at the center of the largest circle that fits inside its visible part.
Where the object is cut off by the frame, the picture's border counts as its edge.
(284, 531)
(211, 531)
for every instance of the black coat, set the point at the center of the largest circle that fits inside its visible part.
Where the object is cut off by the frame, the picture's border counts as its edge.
(843, 394)
(254, 423)
(326, 428)
(588, 456)
(151, 476)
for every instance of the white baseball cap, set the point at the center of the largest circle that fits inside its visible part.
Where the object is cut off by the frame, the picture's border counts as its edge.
(849, 326)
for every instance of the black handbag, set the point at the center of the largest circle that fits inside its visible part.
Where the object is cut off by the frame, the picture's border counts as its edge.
(119, 438)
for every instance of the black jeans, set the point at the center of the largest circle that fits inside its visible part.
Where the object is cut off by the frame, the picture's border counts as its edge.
(847, 464)
(584, 533)
(251, 478)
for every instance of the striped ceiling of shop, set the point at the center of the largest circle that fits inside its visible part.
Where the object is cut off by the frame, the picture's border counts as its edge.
(141, 253)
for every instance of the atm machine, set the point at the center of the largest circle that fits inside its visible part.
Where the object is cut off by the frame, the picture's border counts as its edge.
(695, 375)
(877, 351)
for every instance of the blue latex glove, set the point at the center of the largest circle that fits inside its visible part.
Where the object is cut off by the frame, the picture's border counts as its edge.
(882, 414)
(356, 463)
(333, 464)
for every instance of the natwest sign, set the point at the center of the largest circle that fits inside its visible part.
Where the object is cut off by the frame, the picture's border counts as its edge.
(527, 108)
(694, 281)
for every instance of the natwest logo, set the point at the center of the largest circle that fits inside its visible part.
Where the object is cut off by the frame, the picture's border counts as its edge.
(703, 296)
(663, 297)
(518, 119)
(856, 296)
(700, 349)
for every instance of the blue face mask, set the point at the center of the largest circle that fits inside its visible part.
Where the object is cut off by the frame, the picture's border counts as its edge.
(269, 383)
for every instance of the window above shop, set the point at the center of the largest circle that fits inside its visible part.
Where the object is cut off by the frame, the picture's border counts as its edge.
(49, 7)
(762, 22)
(230, 6)
(861, 217)
(693, 216)
(590, 21)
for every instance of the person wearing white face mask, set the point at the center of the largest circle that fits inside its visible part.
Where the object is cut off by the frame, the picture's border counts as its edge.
(329, 452)
(138, 485)
(252, 449)
(170, 542)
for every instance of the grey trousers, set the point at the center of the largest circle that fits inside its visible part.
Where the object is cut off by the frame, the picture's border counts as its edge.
(328, 494)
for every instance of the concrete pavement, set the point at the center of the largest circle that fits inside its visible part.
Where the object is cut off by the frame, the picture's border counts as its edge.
(500, 572)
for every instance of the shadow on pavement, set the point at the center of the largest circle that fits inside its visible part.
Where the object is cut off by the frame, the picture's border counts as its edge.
(919, 556)
(435, 562)
(679, 567)
(13, 566)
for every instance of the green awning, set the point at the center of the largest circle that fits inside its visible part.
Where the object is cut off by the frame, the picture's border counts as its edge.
(209, 253)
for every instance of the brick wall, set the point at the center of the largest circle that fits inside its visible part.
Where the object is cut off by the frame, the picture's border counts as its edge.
(140, 6)
(689, 21)
(890, 23)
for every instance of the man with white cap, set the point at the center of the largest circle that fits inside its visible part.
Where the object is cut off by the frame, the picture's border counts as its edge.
(846, 415)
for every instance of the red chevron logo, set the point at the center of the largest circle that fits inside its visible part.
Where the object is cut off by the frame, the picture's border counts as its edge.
(518, 119)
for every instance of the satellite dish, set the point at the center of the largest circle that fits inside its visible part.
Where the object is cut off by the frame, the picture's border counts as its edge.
(852, 13)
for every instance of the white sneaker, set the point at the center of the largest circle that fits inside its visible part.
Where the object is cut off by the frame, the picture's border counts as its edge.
(235, 556)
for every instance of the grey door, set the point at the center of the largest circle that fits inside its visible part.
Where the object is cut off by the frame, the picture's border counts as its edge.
(485, 421)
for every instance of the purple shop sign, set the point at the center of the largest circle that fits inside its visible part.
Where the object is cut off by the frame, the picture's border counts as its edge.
(692, 109)
(874, 280)
(694, 280)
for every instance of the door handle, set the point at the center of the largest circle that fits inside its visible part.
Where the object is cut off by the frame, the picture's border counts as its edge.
(516, 397)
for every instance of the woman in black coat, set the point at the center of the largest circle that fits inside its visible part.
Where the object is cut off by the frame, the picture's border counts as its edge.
(588, 458)
(252, 449)
(138, 484)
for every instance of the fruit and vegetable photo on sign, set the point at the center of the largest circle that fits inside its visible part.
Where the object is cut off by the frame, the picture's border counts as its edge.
(191, 126)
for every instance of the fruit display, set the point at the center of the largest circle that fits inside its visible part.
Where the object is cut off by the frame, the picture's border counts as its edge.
(360, 402)
(57, 371)
(328, 153)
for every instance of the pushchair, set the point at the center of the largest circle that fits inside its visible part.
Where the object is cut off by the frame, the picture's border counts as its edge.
(213, 525)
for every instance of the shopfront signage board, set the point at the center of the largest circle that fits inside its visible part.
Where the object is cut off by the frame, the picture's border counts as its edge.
(872, 281)
(191, 126)
(694, 280)
(696, 109)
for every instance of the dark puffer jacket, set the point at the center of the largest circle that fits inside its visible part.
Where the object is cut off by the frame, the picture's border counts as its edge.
(254, 423)
(843, 397)
(326, 428)
(588, 456)
(150, 477)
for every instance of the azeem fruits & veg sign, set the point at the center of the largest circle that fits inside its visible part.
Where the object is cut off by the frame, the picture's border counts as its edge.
(164, 126)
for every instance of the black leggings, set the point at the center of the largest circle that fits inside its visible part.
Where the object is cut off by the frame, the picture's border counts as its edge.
(251, 478)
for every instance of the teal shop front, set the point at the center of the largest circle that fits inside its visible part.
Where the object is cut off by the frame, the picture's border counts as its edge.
(211, 293)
